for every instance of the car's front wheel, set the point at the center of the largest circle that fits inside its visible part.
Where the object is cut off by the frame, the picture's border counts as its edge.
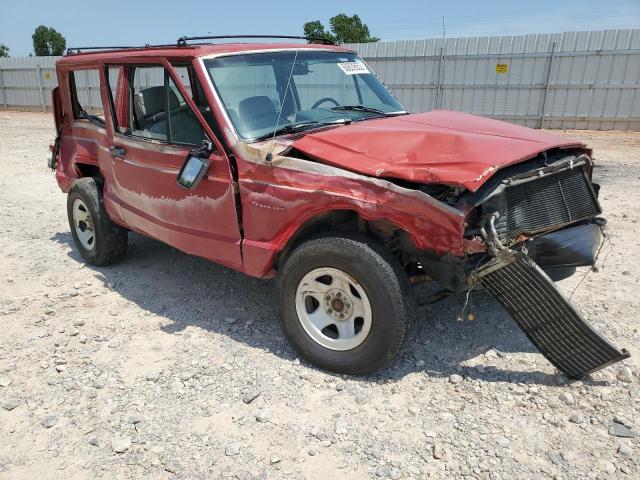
(345, 303)
(100, 241)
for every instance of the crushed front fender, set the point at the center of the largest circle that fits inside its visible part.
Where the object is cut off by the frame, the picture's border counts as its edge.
(548, 319)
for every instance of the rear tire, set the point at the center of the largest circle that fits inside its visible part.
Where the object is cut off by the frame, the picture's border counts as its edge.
(345, 303)
(100, 241)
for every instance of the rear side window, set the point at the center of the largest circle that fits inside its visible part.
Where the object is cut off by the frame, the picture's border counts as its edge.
(153, 108)
(84, 86)
(148, 94)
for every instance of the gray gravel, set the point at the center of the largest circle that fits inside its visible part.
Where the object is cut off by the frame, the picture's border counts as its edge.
(167, 366)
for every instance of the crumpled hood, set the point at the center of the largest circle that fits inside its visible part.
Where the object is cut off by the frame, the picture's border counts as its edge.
(440, 146)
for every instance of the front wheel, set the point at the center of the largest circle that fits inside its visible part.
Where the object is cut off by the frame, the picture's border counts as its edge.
(345, 303)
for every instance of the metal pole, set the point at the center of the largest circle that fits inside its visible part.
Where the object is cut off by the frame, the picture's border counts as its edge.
(443, 99)
(4, 92)
(546, 87)
(439, 76)
(39, 73)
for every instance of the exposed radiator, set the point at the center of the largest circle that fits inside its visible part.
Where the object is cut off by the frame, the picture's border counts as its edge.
(546, 317)
(544, 203)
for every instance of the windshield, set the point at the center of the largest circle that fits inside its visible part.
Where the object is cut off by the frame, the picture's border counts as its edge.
(261, 97)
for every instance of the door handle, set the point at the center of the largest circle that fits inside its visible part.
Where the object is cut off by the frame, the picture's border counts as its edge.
(115, 151)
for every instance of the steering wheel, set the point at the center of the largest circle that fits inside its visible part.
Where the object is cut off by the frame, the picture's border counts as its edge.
(325, 99)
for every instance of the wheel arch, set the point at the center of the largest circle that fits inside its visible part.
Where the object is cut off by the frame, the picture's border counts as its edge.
(346, 220)
(86, 169)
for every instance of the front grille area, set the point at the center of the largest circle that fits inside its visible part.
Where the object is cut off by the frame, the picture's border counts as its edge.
(543, 204)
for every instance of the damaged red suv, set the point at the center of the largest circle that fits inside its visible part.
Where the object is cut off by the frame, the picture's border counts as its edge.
(295, 161)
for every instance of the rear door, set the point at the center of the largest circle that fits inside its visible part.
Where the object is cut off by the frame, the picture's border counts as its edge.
(155, 128)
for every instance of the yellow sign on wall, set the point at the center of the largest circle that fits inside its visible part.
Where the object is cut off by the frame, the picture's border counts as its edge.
(47, 76)
(502, 68)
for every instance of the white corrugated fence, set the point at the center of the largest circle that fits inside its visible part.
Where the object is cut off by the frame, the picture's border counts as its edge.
(565, 80)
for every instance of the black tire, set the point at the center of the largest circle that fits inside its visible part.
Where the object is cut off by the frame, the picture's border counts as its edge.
(110, 239)
(385, 284)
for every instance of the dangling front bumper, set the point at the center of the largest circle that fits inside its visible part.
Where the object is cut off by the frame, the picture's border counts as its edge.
(547, 318)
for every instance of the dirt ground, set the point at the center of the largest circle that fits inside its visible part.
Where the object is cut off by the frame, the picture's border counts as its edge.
(145, 368)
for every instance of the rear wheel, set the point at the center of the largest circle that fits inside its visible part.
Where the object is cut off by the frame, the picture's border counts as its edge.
(345, 303)
(100, 241)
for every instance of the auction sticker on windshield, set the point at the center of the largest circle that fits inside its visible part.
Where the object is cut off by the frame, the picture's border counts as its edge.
(353, 68)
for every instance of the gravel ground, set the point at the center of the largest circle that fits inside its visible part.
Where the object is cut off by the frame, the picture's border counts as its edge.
(168, 366)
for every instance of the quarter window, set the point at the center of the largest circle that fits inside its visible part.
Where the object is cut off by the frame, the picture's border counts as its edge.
(85, 95)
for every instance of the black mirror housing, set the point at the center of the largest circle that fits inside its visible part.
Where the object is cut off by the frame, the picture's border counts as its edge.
(192, 171)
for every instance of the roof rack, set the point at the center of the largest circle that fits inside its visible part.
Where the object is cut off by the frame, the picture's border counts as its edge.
(182, 41)
(76, 50)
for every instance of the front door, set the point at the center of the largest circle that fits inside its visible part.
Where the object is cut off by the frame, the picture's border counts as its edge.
(155, 129)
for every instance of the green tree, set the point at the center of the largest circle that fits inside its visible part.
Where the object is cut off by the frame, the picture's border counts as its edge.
(4, 50)
(315, 29)
(344, 29)
(350, 29)
(47, 41)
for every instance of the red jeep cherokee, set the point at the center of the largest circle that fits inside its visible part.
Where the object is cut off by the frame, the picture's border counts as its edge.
(295, 161)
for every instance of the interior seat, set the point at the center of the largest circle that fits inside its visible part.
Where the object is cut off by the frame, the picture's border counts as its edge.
(149, 105)
(257, 112)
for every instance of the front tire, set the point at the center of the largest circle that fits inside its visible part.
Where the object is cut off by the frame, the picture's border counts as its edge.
(100, 241)
(345, 303)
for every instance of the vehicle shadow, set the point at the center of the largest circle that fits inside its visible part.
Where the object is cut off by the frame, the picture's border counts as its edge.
(190, 291)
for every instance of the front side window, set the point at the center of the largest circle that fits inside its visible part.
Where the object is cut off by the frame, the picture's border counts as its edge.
(265, 92)
(152, 106)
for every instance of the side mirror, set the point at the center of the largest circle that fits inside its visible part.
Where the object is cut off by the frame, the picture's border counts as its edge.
(192, 171)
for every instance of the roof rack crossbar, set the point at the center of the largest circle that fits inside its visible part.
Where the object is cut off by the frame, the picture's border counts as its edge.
(182, 41)
(75, 50)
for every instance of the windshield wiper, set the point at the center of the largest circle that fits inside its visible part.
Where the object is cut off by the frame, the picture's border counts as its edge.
(359, 108)
(289, 128)
(296, 127)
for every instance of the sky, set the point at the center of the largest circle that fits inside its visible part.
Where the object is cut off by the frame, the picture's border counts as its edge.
(136, 22)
